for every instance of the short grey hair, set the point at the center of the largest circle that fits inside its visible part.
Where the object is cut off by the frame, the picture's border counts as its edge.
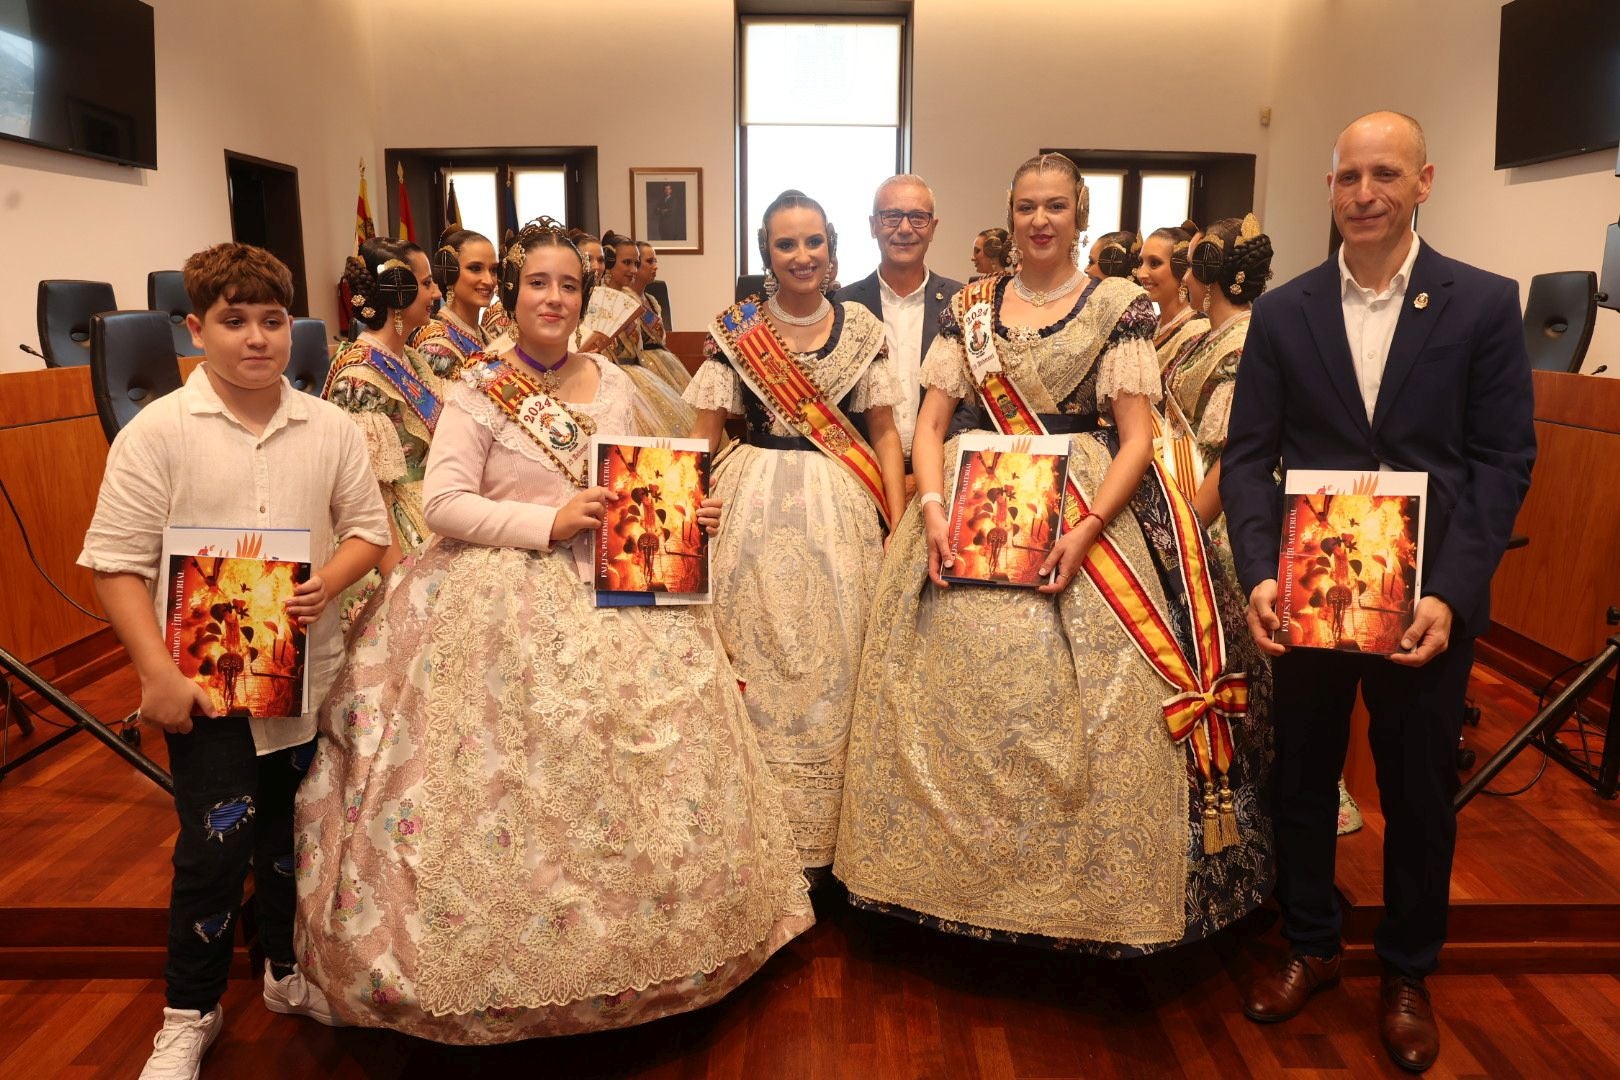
(902, 179)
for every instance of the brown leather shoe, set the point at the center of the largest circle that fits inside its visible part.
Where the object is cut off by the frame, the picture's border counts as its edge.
(1281, 994)
(1408, 1027)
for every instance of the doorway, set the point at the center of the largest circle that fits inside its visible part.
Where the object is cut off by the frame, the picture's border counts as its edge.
(265, 212)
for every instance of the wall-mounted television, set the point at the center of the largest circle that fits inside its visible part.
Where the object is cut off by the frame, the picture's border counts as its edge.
(1558, 86)
(80, 76)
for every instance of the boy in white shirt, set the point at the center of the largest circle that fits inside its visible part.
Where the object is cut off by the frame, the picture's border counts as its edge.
(236, 447)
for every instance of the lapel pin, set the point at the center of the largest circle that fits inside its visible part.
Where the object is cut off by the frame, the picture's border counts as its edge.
(1422, 301)
(939, 296)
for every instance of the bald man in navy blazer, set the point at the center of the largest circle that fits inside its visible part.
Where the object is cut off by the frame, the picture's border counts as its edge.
(1390, 356)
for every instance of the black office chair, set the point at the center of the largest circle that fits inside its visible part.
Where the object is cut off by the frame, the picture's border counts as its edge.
(310, 358)
(749, 285)
(64, 314)
(166, 292)
(659, 290)
(1558, 319)
(132, 364)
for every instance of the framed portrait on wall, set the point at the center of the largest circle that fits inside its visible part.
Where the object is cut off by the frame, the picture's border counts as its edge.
(666, 209)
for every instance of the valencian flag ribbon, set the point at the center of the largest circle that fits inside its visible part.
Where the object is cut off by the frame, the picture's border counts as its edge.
(1206, 702)
(776, 378)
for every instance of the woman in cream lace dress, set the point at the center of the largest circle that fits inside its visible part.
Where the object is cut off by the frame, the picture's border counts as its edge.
(795, 569)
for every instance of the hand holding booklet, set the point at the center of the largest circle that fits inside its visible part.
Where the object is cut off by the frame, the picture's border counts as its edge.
(1006, 508)
(650, 549)
(222, 605)
(1351, 559)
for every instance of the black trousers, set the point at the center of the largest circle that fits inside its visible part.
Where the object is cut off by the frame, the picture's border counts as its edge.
(1416, 718)
(236, 812)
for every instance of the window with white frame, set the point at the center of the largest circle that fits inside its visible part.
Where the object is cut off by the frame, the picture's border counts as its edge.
(821, 111)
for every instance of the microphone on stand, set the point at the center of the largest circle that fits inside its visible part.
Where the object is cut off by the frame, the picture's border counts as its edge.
(1600, 369)
(31, 351)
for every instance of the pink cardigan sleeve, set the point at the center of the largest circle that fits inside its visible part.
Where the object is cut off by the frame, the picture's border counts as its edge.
(452, 490)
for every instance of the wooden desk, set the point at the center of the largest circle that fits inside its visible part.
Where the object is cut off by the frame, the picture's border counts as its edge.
(52, 454)
(1555, 592)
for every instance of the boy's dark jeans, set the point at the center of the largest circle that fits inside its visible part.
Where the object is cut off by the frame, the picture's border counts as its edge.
(236, 811)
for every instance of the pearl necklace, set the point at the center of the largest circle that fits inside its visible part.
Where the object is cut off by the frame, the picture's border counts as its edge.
(799, 320)
(1041, 299)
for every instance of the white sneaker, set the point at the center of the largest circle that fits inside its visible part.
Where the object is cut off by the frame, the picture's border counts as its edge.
(178, 1050)
(297, 996)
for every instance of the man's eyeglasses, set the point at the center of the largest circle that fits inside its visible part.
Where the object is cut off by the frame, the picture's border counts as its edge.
(891, 219)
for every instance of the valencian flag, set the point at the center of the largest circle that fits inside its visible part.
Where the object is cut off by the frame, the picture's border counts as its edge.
(452, 208)
(407, 227)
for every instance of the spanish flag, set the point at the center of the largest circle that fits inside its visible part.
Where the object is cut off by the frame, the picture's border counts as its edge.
(407, 227)
(363, 228)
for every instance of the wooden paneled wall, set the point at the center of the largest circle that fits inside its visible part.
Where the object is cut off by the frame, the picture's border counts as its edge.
(1556, 591)
(52, 453)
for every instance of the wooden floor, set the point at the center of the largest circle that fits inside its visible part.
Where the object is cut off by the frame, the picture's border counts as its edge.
(84, 878)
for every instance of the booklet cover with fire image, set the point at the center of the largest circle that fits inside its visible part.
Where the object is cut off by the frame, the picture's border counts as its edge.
(223, 609)
(1006, 507)
(650, 549)
(1351, 557)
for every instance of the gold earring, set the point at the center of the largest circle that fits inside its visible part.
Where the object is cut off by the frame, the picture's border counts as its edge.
(450, 295)
(399, 322)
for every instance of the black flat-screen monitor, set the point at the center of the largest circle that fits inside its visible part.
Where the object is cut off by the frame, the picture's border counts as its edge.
(1558, 86)
(79, 76)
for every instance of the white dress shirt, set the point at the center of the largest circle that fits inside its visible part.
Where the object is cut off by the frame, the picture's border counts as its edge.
(185, 460)
(1369, 323)
(903, 318)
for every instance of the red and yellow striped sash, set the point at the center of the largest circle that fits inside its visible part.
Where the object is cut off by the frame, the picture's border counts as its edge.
(1205, 702)
(776, 378)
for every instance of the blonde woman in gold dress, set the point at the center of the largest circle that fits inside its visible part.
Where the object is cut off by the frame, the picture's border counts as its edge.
(1011, 774)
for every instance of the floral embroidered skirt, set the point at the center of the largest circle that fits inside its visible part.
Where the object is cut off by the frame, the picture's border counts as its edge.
(528, 816)
(794, 572)
(1010, 775)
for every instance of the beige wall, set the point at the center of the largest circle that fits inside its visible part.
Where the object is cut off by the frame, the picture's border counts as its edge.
(995, 85)
(991, 86)
(252, 78)
(1437, 61)
(588, 60)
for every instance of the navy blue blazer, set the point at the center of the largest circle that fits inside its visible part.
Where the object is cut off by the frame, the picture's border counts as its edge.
(1455, 402)
(868, 293)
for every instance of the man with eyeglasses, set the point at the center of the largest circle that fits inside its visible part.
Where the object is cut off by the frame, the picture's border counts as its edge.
(902, 291)
(1389, 356)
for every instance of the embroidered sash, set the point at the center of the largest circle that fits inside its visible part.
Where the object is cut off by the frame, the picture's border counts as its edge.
(416, 393)
(764, 363)
(652, 324)
(1204, 701)
(563, 436)
(464, 342)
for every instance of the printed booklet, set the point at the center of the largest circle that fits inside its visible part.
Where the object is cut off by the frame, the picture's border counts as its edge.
(1006, 507)
(223, 608)
(1352, 550)
(650, 549)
